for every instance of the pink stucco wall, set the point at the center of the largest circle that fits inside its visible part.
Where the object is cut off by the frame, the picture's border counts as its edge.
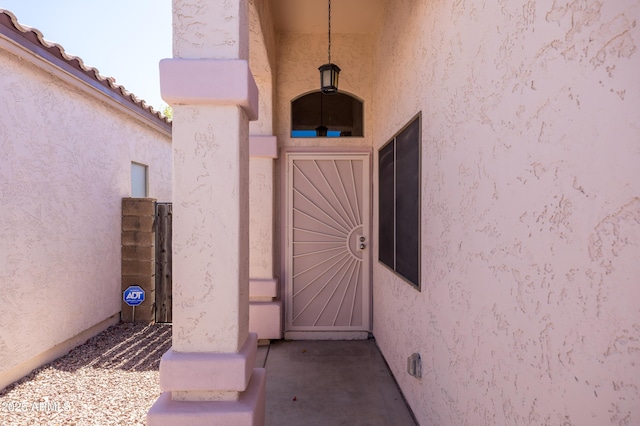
(65, 163)
(529, 308)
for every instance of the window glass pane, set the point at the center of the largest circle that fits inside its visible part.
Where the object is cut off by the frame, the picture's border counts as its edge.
(399, 178)
(320, 115)
(408, 203)
(138, 180)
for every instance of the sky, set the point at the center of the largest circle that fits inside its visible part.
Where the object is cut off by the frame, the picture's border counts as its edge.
(123, 39)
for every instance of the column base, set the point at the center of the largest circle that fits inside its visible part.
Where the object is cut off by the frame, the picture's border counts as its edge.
(248, 410)
(265, 319)
(204, 371)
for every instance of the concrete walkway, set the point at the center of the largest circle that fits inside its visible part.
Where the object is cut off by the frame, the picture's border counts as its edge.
(113, 379)
(329, 383)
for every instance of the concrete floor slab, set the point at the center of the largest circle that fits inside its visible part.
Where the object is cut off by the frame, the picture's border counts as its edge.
(329, 383)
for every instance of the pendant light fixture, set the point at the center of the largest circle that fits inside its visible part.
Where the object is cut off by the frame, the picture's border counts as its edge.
(321, 130)
(329, 72)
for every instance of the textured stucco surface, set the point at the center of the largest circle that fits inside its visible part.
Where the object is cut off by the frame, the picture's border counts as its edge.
(262, 37)
(261, 190)
(211, 186)
(261, 210)
(210, 228)
(261, 58)
(529, 308)
(261, 170)
(65, 162)
(193, 37)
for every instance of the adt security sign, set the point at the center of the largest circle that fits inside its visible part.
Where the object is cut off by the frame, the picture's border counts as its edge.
(133, 296)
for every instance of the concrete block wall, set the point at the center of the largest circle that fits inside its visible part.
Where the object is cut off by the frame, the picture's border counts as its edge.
(138, 256)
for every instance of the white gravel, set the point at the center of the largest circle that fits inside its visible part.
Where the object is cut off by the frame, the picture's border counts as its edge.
(112, 379)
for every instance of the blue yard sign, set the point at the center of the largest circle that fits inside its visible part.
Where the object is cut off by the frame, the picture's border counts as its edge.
(133, 296)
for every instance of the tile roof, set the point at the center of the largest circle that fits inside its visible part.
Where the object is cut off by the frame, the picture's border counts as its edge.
(32, 39)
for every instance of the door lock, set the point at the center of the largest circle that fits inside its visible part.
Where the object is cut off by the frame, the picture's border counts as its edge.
(361, 244)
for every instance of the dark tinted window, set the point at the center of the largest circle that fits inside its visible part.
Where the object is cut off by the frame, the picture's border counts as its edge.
(399, 203)
(319, 115)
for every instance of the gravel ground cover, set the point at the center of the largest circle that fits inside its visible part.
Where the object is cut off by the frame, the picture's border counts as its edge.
(112, 379)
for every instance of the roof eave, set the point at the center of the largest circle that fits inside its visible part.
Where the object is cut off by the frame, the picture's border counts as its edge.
(28, 44)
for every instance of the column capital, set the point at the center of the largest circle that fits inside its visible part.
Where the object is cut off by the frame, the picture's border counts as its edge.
(209, 82)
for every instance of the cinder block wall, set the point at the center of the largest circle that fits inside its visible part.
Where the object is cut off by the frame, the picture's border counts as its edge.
(138, 256)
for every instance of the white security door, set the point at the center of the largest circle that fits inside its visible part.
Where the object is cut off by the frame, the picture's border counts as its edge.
(328, 256)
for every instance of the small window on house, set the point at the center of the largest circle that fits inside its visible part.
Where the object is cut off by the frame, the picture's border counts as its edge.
(319, 115)
(399, 203)
(139, 180)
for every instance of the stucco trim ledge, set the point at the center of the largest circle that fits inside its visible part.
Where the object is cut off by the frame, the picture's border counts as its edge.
(263, 146)
(209, 82)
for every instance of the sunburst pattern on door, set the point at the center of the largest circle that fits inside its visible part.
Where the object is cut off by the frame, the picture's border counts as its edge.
(327, 244)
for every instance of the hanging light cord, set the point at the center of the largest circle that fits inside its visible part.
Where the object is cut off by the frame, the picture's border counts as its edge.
(329, 31)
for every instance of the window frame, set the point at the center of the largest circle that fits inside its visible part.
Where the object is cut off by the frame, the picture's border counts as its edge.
(412, 219)
(139, 167)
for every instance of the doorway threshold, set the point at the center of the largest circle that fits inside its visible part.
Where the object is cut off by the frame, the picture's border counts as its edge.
(326, 335)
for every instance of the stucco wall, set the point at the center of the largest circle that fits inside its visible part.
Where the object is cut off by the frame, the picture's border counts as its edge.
(529, 308)
(64, 168)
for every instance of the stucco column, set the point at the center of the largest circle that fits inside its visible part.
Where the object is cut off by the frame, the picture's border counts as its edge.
(207, 377)
(265, 309)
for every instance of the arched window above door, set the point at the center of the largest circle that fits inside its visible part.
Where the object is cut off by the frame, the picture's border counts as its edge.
(318, 115)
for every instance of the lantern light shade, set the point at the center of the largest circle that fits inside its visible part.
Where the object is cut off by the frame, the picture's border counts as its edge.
(329, 78)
